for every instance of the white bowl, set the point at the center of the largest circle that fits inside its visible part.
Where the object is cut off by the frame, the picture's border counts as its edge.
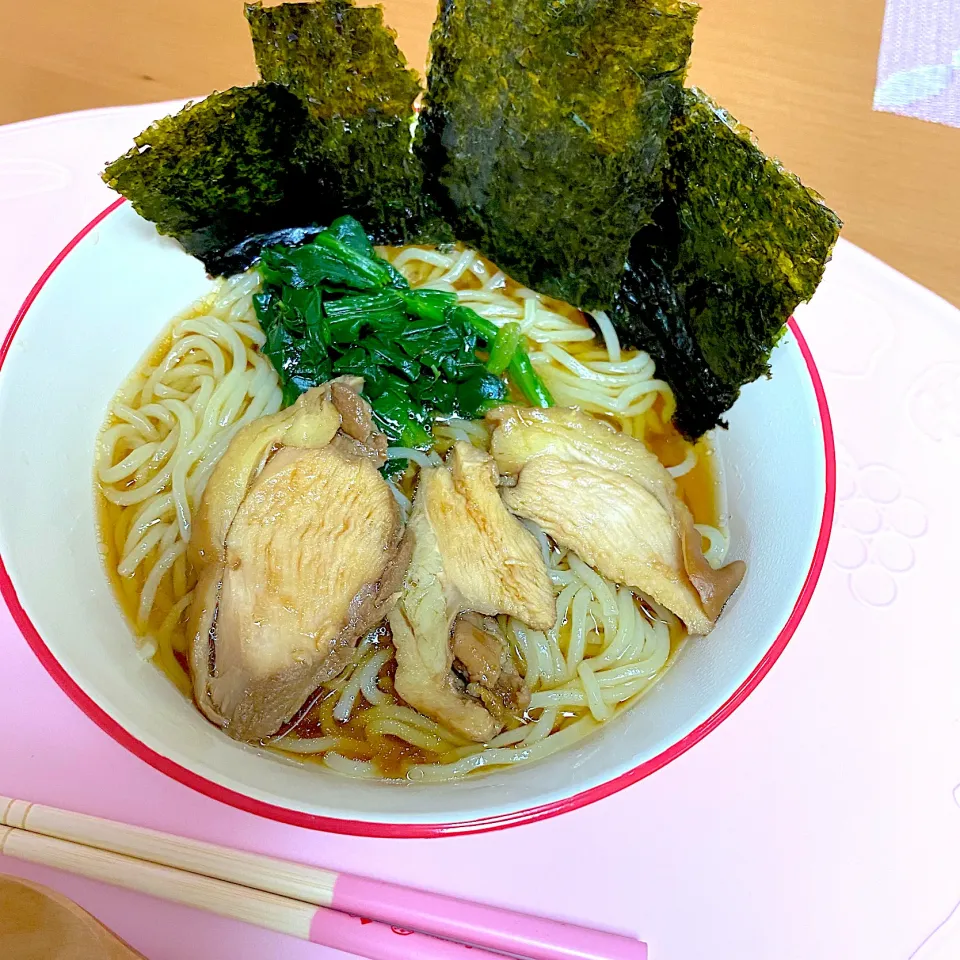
(84, 326)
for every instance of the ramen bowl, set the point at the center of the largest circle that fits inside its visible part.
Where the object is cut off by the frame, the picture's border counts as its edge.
(87, 323)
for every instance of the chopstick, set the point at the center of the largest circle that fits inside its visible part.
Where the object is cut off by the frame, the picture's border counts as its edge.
(299, 888)
(376, 941)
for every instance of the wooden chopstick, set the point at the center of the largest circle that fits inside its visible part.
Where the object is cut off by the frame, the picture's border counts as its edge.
(365, 938)
(271, 874)
(439, 916)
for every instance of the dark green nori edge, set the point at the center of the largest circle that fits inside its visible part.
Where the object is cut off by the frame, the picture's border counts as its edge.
(343, 63)
(248, 251)
(544, 127)
(737, 244)
(218, 170)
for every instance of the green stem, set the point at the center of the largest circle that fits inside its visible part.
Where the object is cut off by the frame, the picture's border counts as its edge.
(373, 268)
(483, 327)
(503, 348)
(528, 380)
(520, 369)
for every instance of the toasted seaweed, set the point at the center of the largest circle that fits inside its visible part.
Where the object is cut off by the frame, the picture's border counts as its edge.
(736, 245)
(218, 170)
(544, 129)
(343, 63)
(340, 59)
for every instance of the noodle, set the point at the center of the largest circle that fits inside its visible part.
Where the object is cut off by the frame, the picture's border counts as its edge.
(368, 678)
(685, 466)
(348, 697)
(173, 419)
(610, 338)
(418, 457)
(403, 501)
(311, 745)
(719, 543)
(498, 756)
(361, 769)
(163, 435)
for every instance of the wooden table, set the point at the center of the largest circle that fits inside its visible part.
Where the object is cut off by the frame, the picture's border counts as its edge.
(801, 74)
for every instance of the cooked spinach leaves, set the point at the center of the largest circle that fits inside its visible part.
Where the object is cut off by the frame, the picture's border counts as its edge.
(333, 307)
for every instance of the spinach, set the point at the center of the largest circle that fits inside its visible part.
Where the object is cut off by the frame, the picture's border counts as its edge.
(332, 307)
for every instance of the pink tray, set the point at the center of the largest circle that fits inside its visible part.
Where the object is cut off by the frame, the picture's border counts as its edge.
(819, 821)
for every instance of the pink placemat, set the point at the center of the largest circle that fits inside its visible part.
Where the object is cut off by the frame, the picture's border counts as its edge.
(818, 823)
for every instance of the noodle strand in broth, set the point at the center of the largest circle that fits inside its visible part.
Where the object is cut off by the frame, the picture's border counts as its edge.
(166, 429)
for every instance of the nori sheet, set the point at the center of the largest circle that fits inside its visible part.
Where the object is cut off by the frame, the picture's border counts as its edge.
(218, 170)
(737, 244)
(344, 65)
(544, 127)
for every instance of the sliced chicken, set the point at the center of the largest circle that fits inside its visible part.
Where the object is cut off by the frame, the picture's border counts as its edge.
(468, 554)
(607, 498)
(482, 656)
(298, 550)
(480, 650)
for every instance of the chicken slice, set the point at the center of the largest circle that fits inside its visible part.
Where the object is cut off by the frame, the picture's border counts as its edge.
(299, 554)
(479, 649)
(468, 554)
(524, 433)
(312, 422)
(482, 655)
(607, 498)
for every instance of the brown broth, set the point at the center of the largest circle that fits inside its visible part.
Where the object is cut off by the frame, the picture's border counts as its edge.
(700, 488)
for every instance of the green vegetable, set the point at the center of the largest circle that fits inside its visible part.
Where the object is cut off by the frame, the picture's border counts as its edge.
(329, 262)
(470, 318)
(738, 243)
(343, 63)
(544, 128)
(504, 347)
(377, 271)
(479, 393)
(521, 371)
(383, 311)
(348, 231)
(243, 255)
(431, 305)
(415, 349)
(528, 380)
(218, 170)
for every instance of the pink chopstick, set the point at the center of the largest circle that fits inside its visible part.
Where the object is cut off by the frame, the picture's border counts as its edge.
(491, 927)
(354, 913)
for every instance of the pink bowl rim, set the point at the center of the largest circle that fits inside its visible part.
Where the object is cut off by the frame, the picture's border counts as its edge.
(426, 830)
